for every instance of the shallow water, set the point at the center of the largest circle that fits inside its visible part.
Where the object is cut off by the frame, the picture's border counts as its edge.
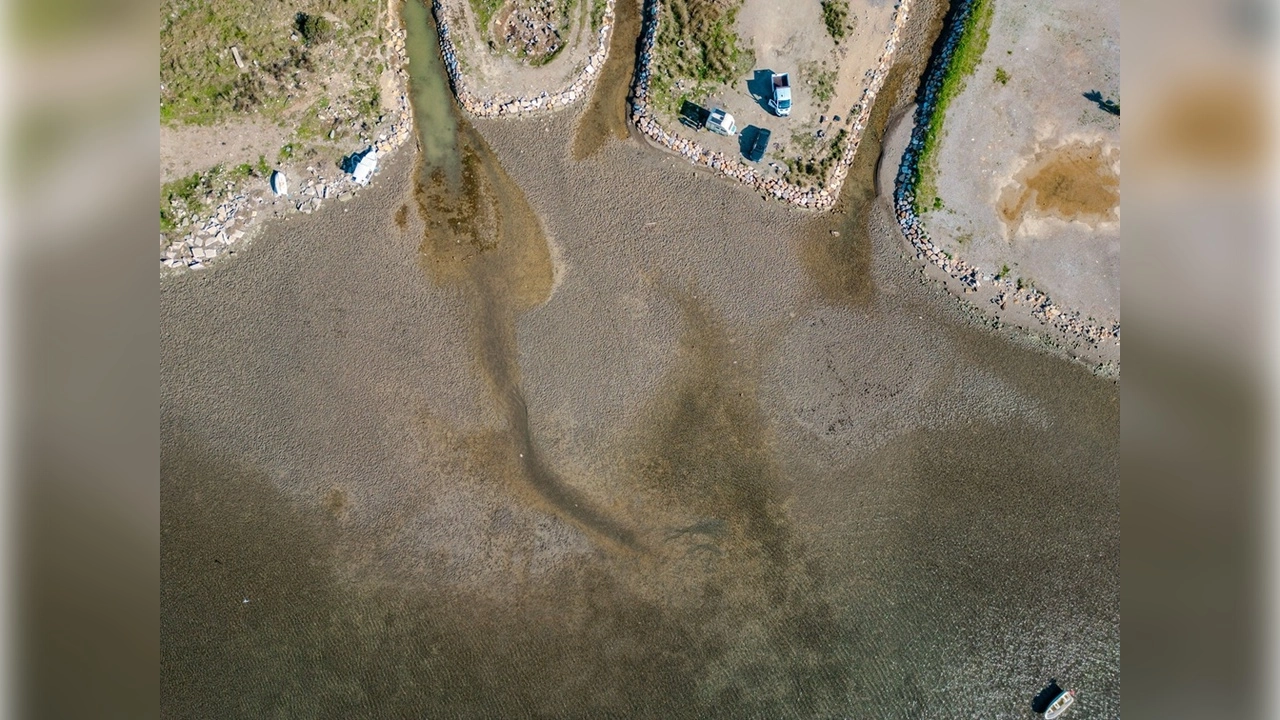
(435, 117)
(402, 559)
(606, 114)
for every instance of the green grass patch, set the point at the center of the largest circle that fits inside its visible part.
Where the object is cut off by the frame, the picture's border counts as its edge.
(968, 53)
(1002, 76)
(697, 50)
(822, 81)
(597, 13)
(485, 10)
(187, 196)
(835, 15)
(311, 126)
(279, 44)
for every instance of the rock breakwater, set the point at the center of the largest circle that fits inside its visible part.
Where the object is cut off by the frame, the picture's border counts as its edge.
(1006, 290)
(506, 106)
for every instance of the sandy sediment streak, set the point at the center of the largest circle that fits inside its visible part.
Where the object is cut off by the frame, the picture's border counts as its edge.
(818, 198)
(970, 277)
(233, 222)
(506, 106)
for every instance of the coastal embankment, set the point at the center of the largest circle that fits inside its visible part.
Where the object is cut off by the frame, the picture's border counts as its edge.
(1006, 290)
(233, 221)
(507, 106)
(816, 198)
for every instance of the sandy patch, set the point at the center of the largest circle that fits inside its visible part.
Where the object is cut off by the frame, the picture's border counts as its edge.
(1073, 182)
(186, 149)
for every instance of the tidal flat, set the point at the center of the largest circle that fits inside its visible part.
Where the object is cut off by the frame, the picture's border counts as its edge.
(516, 433)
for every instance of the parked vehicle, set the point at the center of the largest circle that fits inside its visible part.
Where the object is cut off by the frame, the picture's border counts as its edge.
(781, 101)
(759, 144)
(721, 123)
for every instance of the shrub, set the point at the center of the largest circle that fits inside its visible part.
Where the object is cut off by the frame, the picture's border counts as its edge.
(314, 29)
(835, 13)
(1002, 77)
(824, 83)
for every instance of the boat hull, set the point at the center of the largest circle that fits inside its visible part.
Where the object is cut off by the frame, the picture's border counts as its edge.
(1060, 705)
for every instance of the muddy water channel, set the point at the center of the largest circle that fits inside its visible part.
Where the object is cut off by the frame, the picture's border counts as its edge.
(546, 425)
(481, 235)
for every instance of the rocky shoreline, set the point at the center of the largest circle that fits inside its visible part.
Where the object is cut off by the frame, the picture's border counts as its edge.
(815, 198)
(232, 222)
(1007, 291)
(504, 106)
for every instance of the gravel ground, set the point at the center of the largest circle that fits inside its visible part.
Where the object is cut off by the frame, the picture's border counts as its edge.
(1052, 53)
(731, 465)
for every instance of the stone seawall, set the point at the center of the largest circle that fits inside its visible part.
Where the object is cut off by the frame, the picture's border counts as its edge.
(817, 198)
(505, 106)
(1007, 291)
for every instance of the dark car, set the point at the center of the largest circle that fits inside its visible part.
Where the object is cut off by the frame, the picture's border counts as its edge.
(758, 145)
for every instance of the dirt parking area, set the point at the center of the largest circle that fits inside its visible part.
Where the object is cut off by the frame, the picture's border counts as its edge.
(827, 79)
(1028, 168)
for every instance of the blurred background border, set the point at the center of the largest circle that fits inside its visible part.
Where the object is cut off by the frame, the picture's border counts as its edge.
(80, 81)
(78, 211)
(1200, 358)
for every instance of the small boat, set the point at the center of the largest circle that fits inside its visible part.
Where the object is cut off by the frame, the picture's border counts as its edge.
(1060, 704)
(1052, 700)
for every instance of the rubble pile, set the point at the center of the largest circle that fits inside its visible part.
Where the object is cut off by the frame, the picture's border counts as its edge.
(532, 31)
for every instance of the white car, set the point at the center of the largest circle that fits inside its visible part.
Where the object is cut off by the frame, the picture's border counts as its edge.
(721, 122)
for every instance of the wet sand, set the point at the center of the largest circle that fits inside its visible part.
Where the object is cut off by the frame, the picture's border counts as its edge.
(660, 449)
